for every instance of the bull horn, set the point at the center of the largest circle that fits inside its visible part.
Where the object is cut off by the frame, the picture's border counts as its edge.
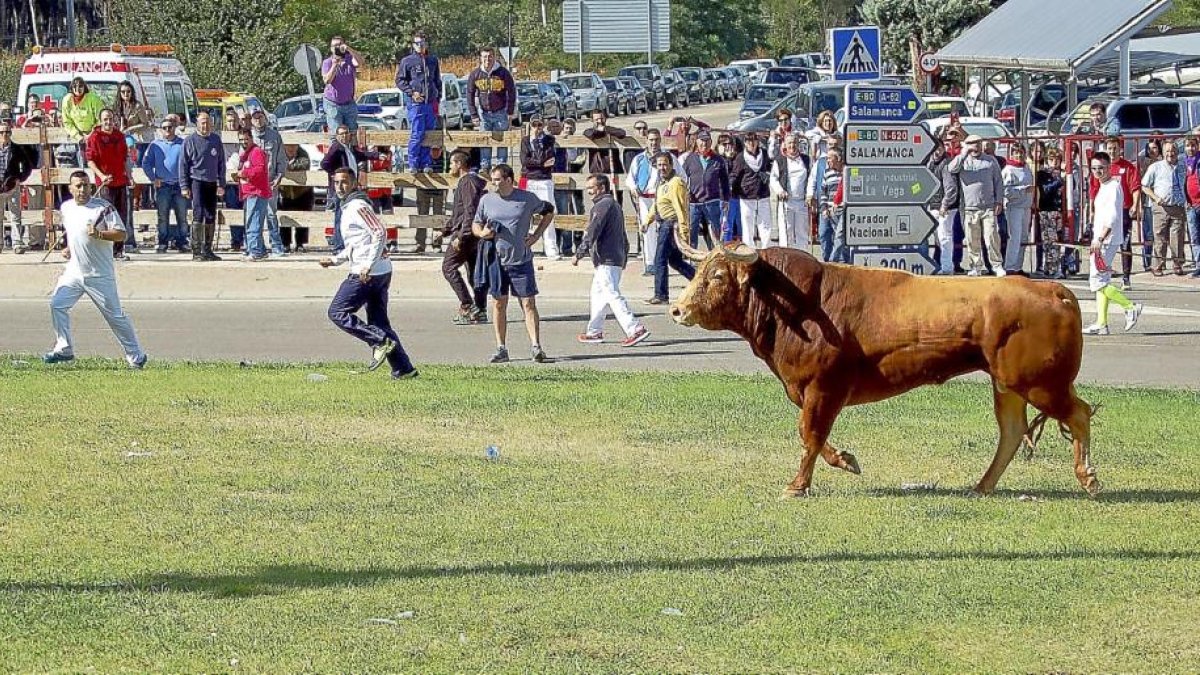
(739, 252)
(681, 240)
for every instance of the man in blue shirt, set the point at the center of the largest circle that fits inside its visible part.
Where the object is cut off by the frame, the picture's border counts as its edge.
(419, 76)
(161, 164)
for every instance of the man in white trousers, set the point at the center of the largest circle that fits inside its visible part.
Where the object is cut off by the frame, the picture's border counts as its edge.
(789, 183)
(750, 182)
(642, 182)
(91, 226)
(606, 242)
(537, 166)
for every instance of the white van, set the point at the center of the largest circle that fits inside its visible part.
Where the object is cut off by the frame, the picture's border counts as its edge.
(158, 78)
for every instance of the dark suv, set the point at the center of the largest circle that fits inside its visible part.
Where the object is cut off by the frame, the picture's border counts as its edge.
(651, 78)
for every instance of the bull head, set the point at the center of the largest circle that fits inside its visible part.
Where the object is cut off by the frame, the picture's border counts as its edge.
(715, 299)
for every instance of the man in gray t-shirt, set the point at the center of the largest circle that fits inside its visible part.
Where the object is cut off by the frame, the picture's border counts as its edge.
(504, 218)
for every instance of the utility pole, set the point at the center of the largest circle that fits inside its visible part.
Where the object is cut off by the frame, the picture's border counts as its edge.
(71, 23)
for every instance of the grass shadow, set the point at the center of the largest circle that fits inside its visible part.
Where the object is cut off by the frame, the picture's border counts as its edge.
(275, 579)
(633, 353)
(1111, 496)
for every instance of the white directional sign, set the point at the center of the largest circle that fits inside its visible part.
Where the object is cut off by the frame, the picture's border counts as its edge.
(509, 54)
(888, 225)
(892, 145)
(888, 185)
(915, 260)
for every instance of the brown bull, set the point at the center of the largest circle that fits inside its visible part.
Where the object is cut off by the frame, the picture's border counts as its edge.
(837, 335)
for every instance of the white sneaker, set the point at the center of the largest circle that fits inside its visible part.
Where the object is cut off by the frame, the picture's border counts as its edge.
(973, 273)
(1131, 316)
(1096, 329)
(1000, 272)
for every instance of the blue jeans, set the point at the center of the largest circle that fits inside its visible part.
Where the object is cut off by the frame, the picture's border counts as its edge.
(352, 296)
(493, 121)
(332, 203)
(667, 254)
(1193, 224)
(1147, 234)
(420, 120)
(339, 114)
(169, 198)
(833, 227)
(705, 213)
(733, 222)
(277, 246)
(255, 211)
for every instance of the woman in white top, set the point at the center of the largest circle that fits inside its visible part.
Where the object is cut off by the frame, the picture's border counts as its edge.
(789, 182)
(1108, 233)
(818, 138)
(1017, 179)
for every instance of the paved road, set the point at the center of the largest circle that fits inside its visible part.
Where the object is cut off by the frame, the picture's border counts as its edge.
(1162, 351)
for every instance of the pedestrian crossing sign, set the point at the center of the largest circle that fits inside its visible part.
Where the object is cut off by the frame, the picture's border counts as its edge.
(855, 52)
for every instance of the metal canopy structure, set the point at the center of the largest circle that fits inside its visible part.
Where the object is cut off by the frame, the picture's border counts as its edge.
(1063, 36)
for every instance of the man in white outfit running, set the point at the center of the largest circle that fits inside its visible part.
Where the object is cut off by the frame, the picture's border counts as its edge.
(91, 226)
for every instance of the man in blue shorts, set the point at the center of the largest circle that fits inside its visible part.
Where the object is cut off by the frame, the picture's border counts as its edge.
(502, 222)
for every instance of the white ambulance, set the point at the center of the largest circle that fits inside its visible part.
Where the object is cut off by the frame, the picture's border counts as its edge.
(158, 78)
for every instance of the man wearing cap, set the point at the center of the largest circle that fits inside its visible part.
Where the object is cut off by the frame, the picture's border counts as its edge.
(982, 194)
(277, 162)
(419, 76)
(750, 180)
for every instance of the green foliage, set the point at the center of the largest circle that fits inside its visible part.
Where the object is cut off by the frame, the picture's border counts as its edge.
(229, 44)
(10, 76)
(802, 25)
(933, 22)
(1184, 13)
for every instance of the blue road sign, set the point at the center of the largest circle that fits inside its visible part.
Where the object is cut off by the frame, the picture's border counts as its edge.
(893, 104)
(855, 53)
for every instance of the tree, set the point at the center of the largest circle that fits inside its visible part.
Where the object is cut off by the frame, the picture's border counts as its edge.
(802, 25)
(934, 23)
(227, 44)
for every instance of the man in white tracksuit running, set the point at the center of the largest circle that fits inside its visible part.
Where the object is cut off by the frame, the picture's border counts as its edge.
(92, 226)
(789, 183)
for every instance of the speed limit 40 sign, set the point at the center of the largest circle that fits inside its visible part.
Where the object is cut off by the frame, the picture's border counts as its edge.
(929, 63)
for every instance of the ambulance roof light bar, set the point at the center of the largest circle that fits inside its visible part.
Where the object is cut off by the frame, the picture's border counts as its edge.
(117, 48)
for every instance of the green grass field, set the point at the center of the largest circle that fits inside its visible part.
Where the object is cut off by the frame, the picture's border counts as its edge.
(216, 518)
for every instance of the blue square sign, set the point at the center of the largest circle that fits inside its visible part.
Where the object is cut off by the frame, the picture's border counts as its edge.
(855, 53)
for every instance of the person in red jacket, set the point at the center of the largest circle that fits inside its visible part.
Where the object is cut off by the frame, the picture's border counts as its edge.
(108, 158)
(254, 187)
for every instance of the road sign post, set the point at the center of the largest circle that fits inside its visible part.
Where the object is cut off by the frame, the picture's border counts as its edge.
(856, 53)
(886, 184)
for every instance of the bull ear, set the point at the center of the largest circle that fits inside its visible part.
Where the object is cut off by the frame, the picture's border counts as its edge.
(739, 252)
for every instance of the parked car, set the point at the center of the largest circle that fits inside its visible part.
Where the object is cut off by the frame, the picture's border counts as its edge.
(451, 111)
(741, 82)
(651, 78)
(988, 128)
(752, 66)
(675, 89)
(760, 98)
(699, 90)
(716, 80)
(568, 105)
(790, 74)
(818, 61)
(1171, 116)
(945, 106)
(292, 112)
(639, 101)
(590, 92)
(805, 103)
(536, 98)
(618, 97)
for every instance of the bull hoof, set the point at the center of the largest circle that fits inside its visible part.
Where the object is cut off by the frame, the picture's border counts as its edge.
(850, 463)
(793, 493)
(1093, 487)
(977, 493)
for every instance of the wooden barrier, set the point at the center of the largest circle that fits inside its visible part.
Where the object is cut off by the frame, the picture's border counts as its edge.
(446, 139)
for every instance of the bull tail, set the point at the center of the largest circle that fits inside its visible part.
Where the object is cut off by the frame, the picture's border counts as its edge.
(1038, 426)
